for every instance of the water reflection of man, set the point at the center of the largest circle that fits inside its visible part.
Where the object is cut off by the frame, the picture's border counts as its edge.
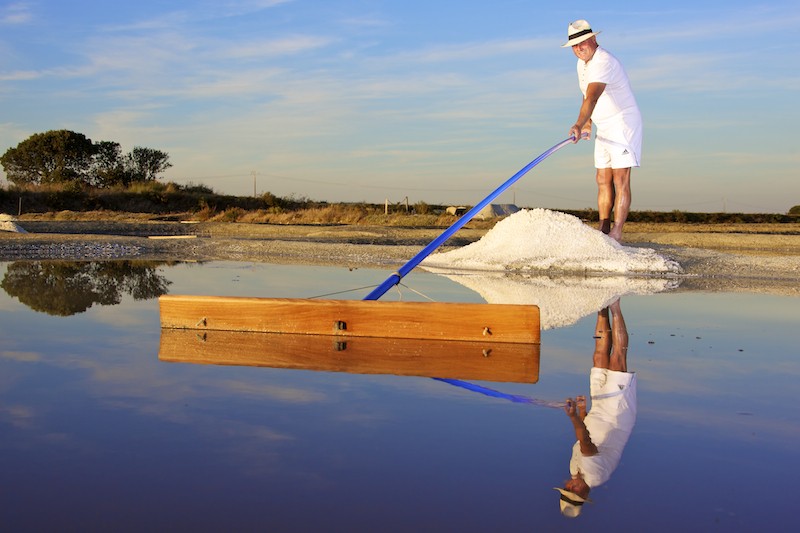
(602, 432)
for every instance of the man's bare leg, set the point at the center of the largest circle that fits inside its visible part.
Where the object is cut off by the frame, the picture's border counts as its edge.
(619, 335)
(621, 178)
(601, 358)
(605, 197)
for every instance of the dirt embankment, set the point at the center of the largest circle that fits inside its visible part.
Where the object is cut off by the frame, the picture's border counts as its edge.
(760, 257)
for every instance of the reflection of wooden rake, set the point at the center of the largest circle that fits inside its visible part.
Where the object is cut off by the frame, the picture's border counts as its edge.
(465, 360)
(398, 337)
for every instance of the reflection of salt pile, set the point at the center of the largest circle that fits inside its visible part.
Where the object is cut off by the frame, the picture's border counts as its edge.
(519, 259)
(539, 239)
(562, 301)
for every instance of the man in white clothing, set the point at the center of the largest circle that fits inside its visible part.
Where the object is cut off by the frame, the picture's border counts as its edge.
(608, 102)
(602, 433)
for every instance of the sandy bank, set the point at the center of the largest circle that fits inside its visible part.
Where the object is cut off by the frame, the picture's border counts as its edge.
(759, 258)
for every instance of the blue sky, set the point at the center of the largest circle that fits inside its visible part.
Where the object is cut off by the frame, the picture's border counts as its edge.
(436, 101)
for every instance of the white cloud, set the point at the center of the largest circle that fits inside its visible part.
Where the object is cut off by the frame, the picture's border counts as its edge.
(471, 51)
(275, 47)
(16, 13)
(21, 75)
(235, 8)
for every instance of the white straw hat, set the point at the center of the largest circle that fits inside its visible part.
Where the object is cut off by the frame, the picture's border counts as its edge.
(570, 503)
(577, 32)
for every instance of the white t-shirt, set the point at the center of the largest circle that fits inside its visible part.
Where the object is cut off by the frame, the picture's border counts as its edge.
(617, 105)
(609, 422)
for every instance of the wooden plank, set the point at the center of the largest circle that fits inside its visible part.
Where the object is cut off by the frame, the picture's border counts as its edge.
(501, 362)
(354, 318)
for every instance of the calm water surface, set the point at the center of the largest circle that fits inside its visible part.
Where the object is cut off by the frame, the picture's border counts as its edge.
(98, 434)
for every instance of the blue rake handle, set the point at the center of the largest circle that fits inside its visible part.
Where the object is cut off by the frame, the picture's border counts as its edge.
(395, 278)
(515, 398)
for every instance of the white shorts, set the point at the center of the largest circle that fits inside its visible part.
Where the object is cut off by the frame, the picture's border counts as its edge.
(618, 149)
(613, 394)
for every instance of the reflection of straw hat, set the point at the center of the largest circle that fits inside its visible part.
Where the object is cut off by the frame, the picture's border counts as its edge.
(571, 504)
(577, 32)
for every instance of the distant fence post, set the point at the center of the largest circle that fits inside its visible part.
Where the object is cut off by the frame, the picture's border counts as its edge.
(386, 207)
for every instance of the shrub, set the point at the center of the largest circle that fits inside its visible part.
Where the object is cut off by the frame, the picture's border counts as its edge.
(197, 189)
(232, 214)
(421, 208)
(146, 187)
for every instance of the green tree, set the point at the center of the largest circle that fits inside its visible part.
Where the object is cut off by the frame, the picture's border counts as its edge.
(145, 164)
(109, 165)
(56, 156)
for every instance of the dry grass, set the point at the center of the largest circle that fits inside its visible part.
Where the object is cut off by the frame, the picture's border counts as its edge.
(336, 214)
(359, 215)
(88, 216)
(169, 201)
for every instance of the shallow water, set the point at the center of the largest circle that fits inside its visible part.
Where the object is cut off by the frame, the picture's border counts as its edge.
(99, 434)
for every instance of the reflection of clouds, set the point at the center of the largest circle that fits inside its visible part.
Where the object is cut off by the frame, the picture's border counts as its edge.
(118, 377)
(8, 305)
(31, 427)
(259, 447)
(129, 316)
(22, 357)
(259, 433)
(729, 423)
(666, 373)
(698, 379)
(278, 393)
(361, 417)
(128, 379)
(20, 416)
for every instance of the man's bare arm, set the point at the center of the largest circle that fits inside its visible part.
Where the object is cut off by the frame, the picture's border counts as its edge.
(576, 411)
(584, 122)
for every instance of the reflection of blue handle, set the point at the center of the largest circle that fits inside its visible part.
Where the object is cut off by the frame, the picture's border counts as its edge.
(502, 395)
(395, 278)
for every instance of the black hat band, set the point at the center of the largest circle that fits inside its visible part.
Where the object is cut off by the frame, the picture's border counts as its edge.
(569, 500)
(580, 34)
